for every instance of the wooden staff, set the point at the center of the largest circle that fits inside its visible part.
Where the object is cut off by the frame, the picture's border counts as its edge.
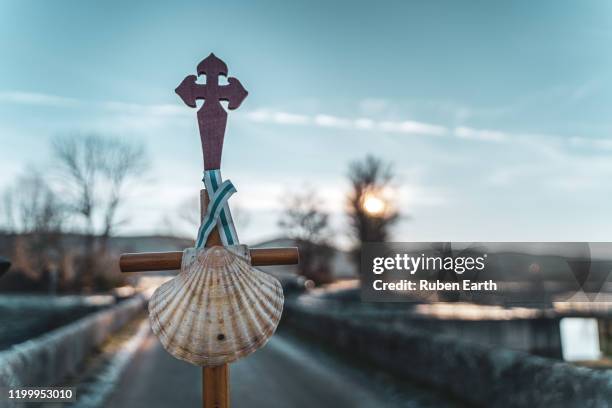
(215, 380)
(212, 119)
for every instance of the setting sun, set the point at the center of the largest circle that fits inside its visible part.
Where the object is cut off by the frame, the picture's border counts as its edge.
(373, 204)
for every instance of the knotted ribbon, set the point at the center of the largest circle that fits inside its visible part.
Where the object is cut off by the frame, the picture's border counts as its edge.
(218, 212)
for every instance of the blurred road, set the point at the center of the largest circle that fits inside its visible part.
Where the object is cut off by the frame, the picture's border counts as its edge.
(288, 372)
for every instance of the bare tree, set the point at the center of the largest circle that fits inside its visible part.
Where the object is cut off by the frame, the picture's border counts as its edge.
(40, 208)
(189, 212)
(8, 214)
(123, 163)
(304, 221)
(31, 206)
(370, 215)
(241, 216)
(37, 215)
(96, 172)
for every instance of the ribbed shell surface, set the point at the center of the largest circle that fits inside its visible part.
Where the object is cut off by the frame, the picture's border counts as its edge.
(217, 309)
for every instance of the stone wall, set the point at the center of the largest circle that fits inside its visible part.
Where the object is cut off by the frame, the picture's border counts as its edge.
(477, 374)
(48, 359)
(539, 336)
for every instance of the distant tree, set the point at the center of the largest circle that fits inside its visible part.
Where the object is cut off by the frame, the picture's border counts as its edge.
(7, 208)
(36, 214)
(95, 172)
(304, 221)
(369, 212)
(38, 208)
(241, 216)
(189, 212)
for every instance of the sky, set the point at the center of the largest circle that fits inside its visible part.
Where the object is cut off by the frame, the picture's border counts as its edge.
(495, 115)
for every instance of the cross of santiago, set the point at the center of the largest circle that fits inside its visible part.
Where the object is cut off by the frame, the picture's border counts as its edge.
(212, 118)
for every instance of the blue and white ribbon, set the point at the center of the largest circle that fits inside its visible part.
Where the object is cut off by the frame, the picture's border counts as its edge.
(218, 212)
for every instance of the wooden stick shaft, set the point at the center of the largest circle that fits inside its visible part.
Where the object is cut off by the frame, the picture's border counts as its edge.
(165, 261)
(215, 380)
(215, 386)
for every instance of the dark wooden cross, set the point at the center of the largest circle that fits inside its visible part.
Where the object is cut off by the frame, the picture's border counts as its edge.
(212, 120)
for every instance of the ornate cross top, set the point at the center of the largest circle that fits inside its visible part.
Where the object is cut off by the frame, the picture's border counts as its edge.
(212, 118)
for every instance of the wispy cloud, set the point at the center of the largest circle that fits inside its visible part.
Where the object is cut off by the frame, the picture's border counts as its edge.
(34, 98)
(278, 117)
(410, 126)
(484, 135)
(333, 122)
(147, 115)
(546, 144)
(360, 123)
(42, 99)
(143, 109)
(597, 143)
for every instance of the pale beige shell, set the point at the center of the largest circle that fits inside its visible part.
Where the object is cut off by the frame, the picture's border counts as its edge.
(218, 309)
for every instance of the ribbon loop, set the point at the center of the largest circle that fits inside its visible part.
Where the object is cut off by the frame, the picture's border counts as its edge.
(218, 212)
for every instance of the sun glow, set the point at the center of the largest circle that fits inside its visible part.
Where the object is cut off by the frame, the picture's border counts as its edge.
(374, 205)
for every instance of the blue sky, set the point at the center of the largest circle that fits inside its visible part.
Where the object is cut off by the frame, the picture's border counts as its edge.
(496, 115)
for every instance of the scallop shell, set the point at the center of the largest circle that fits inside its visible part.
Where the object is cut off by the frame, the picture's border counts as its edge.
(218, 309)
